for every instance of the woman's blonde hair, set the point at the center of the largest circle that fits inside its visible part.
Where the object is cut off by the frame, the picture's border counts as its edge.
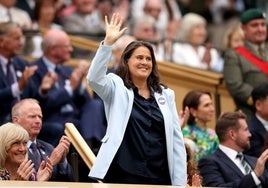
(9, 134)
(229, 34)
(188, 22)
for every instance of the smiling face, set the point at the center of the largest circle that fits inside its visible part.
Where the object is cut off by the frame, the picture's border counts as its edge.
(140, 64)
(236, 39)
(205, 110)
(16, 154)
(255, 31)
(47, 11)
(198, 34)
(11, 43)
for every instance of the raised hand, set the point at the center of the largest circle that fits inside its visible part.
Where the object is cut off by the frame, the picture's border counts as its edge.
(113, 29)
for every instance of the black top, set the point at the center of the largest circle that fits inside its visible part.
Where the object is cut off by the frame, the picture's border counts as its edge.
(143, 149)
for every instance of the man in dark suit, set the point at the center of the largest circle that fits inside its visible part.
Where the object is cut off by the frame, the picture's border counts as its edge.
(62, 95)
(14, 71)
(225, 168)
(258, 124)
(28, 114)
(241, 72)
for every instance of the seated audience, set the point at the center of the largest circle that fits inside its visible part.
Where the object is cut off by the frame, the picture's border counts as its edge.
(191, 49)
(228, 167)
(14, 164)
(258, 123)
(62, 94)
(14, 71)
(27, 113)
(10, 13)
(201, 111)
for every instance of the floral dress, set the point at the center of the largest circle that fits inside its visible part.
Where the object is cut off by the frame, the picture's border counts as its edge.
(206, 140)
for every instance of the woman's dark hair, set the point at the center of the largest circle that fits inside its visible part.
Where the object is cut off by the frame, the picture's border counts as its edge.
(38, 5)
(192, 100)
(153, 80)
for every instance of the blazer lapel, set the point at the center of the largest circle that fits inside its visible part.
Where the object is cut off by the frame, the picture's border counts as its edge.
(228, 162)
(3, 76)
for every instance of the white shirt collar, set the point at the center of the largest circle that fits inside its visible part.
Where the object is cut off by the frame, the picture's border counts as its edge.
(229, 152)
(263, 121)
(30, 142)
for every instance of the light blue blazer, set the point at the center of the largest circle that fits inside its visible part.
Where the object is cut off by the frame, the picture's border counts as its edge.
(118, 101)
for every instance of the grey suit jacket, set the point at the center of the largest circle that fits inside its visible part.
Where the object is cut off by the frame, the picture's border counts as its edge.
(241, 76)
(84, 23)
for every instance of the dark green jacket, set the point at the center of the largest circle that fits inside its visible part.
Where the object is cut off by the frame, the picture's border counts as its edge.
(241, 76)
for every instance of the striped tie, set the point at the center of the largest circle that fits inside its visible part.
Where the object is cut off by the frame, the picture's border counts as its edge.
(244, 163)
(36, 154)
(10, 76)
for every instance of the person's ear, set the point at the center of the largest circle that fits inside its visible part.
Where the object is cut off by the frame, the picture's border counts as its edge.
(193, 112)
(15, 119)
(258, 105)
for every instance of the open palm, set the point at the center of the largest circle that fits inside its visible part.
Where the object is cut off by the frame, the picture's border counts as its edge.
(113, 29)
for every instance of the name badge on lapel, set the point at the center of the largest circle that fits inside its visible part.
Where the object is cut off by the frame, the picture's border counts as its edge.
(161, 100)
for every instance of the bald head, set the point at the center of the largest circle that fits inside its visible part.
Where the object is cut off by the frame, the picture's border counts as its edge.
(53, 37)
(56, 46)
